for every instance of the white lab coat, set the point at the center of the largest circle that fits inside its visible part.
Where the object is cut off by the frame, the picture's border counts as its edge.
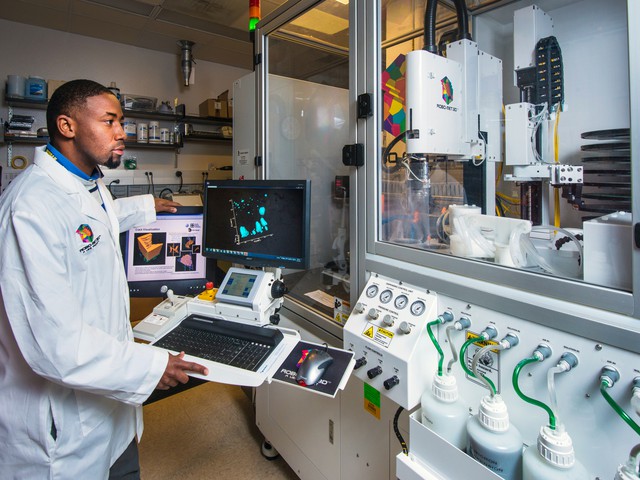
(66, 349)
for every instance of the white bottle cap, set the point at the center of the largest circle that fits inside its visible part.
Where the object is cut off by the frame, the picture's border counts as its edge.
(445, 388)
(493, 413)
(625, 473)
(556, 447)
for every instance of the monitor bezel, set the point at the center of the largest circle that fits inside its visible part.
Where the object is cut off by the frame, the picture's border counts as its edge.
(249, 261)
(152, 288)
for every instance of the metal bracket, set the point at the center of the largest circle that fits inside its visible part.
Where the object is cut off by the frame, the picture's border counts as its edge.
(365, 109)
(353, 155)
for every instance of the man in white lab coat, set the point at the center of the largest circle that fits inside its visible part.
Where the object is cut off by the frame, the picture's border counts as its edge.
(72, 381)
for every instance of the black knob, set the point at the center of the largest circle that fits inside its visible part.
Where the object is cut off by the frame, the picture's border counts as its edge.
(360, 362)
(374, 372)
(278, 289)
(391, 382)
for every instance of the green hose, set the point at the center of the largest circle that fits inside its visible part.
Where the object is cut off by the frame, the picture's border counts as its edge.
(437, 321)
(532, 401)
(603, 389)
(463, 351)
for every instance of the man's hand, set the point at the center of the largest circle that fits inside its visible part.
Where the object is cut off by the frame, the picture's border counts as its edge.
(176, 371)
(164, 205)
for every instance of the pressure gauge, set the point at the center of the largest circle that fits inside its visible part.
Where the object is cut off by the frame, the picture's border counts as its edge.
(372, 291)
(418, 307)
(385, 296)
(401, 302)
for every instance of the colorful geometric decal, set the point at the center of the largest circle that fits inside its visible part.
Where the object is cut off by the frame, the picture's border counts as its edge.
(447, 90)
(85, 233)
(394, 91)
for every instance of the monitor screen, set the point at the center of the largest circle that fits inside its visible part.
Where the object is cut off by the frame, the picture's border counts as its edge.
(167, 252)
(262, 223)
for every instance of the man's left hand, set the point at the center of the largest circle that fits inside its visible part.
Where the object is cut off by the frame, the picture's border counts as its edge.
(164, 205)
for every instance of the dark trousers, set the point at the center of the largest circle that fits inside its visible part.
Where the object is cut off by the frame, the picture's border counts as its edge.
(127, 466)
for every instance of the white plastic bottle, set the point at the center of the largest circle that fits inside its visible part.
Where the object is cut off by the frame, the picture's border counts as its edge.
(443, 412)
(552, 458)
(493, 441)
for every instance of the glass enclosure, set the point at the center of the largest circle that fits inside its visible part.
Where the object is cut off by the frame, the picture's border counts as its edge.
(504, 146)
(306, 126)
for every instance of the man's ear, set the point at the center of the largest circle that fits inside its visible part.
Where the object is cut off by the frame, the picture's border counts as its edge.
(66, 126)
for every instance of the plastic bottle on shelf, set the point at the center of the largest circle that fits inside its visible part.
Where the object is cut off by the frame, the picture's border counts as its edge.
(493, 441)
(552, 458)
(443, 412)
(35, 88)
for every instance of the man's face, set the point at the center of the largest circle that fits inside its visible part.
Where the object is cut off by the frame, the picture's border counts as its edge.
(99, 136)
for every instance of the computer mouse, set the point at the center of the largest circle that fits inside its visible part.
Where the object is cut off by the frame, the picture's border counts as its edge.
(313, 367)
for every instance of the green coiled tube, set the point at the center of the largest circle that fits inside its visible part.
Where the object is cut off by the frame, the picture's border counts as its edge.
(437, 321)
(532, 401)
(604, 385)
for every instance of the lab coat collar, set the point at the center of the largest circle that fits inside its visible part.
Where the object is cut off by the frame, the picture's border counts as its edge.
(69, 165)
(72, 185)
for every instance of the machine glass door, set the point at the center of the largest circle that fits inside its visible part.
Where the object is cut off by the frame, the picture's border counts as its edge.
(502, 146)
(306, 125)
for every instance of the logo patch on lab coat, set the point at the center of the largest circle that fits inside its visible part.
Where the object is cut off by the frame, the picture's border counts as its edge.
(86, 235)
(85, 232)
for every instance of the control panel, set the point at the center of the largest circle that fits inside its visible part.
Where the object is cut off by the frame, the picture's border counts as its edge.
(387, 332)
(414, 345)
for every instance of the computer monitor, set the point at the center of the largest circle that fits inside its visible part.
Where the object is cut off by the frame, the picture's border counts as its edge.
(167, 252)
(261, 223)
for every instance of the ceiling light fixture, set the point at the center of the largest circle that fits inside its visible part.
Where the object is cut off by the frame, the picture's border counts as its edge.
(186, 59)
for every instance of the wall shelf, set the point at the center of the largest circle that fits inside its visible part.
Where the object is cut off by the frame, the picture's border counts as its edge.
(178, 118)
(26, 103)
(165, 146)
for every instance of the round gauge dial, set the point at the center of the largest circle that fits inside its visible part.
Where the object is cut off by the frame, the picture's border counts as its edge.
(372, 291)
(401, 302)
(386, 296)
(418, 307)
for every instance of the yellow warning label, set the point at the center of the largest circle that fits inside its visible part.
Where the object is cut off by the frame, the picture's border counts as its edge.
(372, 408)
(384, 332)
(368, 332)
(481, 343)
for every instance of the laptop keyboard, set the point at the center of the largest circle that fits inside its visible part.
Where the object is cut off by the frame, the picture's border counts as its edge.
(221, 341)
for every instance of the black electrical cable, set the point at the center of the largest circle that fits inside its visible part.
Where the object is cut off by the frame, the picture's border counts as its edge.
(430, 44)
(153, 188)
(403, 444)
(166, 189)
(179, 175)
(387, 151)
(463, 20)
(117, 180)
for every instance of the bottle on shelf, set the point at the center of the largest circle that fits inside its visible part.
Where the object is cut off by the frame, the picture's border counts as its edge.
(552, 458)
(444, 412)
(35, 88)
(493, 441)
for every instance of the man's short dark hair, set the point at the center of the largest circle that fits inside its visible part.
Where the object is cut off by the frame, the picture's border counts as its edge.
(71, 96)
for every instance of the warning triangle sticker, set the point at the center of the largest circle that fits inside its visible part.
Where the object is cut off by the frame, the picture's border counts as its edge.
(368, 332)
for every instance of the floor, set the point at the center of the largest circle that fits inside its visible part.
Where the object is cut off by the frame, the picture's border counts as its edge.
(206, 432)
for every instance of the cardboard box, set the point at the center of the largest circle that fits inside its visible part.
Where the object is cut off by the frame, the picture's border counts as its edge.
(52, 86)
(212, 107)
(230, 108)
(216, 107)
